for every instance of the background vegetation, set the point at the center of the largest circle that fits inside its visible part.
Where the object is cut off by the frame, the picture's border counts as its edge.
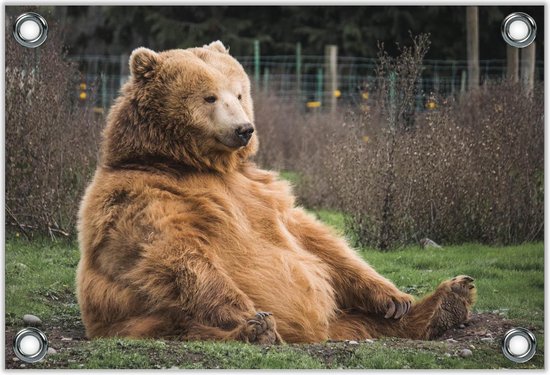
(472, 170)
(51, 139)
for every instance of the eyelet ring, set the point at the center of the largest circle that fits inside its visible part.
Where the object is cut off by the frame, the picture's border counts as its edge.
(30, 30)
(30, 345)
(519, 29)
(519, 345)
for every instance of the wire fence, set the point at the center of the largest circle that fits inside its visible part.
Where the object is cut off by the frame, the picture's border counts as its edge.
(302, 79)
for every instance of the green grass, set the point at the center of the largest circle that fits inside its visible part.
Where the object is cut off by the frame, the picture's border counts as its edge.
(40, 280)
(290, 176)
(123, 353)
(510, 279)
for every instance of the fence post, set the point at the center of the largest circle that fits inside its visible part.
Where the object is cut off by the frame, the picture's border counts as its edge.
(331, 66)
(298, 69)
(123, 68)
(463, 79)
(472, 42)
(512, 63)
(256, 63)
(320, 85)
(528, 66)
(104, 98)
(266, 79)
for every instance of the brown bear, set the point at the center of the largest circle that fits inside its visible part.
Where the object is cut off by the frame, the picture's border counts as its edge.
(182, 235)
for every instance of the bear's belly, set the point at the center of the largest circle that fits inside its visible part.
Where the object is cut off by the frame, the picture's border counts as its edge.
(269, 264)
(291, 283)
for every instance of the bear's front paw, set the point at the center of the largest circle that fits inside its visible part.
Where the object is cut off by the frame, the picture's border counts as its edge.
(392, 303)
(261, 329)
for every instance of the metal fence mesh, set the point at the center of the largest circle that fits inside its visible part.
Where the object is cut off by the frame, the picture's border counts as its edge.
(301, 81)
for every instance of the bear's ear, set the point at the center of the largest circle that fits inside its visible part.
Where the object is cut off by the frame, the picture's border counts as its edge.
(217, 46)
(143, 63)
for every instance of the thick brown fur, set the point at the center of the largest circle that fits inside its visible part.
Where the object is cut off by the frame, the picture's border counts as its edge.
(181, 235)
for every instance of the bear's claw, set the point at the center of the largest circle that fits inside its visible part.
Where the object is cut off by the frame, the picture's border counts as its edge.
(397, 310)
(263, 314)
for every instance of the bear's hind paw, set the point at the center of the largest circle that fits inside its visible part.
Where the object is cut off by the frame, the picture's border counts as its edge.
(463, 286)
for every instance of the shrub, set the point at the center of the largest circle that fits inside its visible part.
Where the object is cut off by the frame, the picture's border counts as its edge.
(479, 167)
(471, 170)
(296, 140)
(278, 125)
(51, 139)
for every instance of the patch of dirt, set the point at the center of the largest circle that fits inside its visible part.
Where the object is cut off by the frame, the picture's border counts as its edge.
(65, 335)
(480, 326)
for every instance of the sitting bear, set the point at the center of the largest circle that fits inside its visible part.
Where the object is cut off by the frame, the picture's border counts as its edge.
(182, 235)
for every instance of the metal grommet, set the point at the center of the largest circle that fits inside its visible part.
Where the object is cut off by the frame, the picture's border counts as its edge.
(30, 345)
(519, 345)
(519, 29)
(30, 30)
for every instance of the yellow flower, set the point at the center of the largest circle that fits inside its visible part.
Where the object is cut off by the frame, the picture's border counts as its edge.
(313, 104)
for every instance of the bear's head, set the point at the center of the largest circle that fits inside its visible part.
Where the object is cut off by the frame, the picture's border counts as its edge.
(188, 106)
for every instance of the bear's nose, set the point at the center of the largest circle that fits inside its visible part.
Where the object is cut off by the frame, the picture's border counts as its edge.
(244, 132)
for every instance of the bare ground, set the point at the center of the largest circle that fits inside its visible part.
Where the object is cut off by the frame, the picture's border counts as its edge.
(67, 337)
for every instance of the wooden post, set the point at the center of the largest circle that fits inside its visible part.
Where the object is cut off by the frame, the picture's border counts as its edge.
(266, 79)
(298, 70)
(463, 79)
(124, 72)
(331, 67)
(528, 66)
(472, 40)
(104, 98)
(512, 65)
(319, 95)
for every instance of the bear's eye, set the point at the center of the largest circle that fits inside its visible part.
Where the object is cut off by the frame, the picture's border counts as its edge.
(210, 99)
(239, 96)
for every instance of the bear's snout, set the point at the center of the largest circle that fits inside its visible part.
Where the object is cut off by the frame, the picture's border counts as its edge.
(244, 133)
